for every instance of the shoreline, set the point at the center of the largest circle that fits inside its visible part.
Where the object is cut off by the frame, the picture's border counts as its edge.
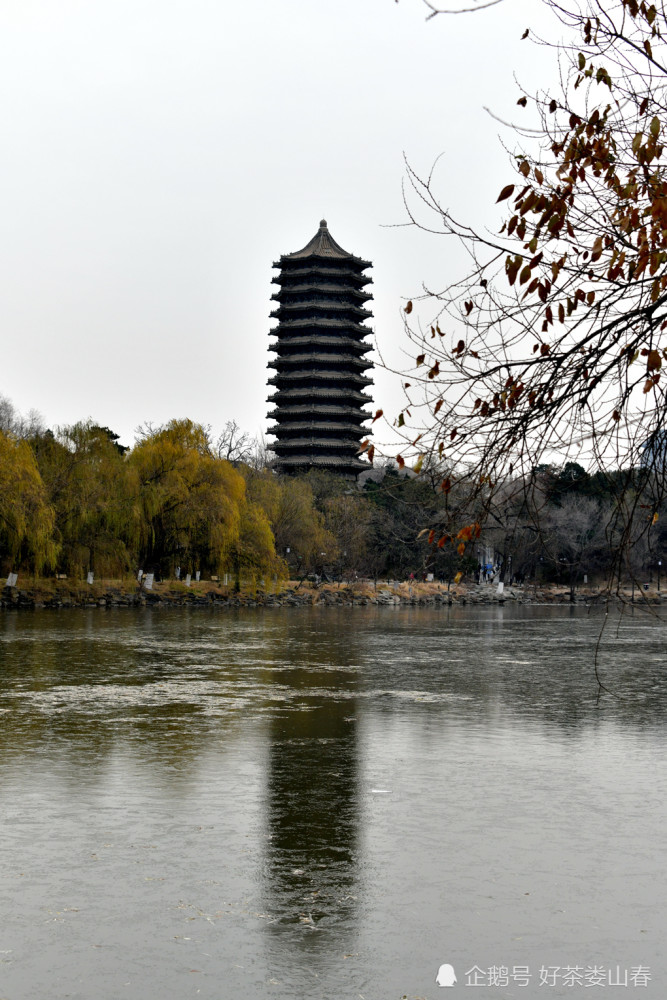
(169, 594)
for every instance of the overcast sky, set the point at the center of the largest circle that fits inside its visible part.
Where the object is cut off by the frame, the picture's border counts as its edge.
(158, 155)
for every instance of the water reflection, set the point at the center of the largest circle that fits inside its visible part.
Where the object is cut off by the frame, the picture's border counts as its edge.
(225, 764)
(312, 809)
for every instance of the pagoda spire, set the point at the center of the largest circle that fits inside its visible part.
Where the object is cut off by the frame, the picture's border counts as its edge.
(320, 358)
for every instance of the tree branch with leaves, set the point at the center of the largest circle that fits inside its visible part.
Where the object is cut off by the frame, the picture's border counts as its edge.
(552, 345)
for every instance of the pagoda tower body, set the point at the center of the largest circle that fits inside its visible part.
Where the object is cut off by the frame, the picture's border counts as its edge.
(320, 359)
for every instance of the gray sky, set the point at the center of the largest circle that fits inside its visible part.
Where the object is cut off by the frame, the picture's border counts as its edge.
(158, 155)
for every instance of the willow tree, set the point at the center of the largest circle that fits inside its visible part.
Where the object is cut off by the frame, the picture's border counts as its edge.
(26, 517)
(552, 345)
(299, 529)
(89, 486)
(254, 554)
(191, 501)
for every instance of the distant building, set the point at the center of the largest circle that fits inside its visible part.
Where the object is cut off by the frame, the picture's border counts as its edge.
(320, 359)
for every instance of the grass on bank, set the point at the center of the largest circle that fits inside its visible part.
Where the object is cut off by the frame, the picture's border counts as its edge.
(78, 591)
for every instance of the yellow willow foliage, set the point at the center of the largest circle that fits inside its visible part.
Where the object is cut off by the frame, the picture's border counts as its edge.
(263, 488)
(256, 553)
(257, 549)
(93, 493)
(26, 518)
(299, 526)
(191, 501)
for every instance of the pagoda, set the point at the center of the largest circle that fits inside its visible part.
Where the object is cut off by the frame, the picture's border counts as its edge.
(320, 359)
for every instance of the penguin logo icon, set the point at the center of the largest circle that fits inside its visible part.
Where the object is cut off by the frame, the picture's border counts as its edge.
(446, 976)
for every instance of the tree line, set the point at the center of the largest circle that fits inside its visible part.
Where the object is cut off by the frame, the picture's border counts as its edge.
(73, 501)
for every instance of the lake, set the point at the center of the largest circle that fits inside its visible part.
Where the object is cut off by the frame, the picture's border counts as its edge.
(332, 803)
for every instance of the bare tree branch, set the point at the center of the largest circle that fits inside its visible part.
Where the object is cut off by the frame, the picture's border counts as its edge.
(551, 345)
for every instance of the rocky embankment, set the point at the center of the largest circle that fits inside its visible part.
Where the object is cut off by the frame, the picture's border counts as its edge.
(291, 594)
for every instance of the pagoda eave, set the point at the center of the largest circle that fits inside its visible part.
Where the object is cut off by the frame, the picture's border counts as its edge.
(318, 411)
(292, 445)
(326, 376)
(288, 427)
(285, 345)
(322, 288)
(285, 278)
(286, 361)
(321, 306)
(349, 395)
(320, 322)
(323, 461)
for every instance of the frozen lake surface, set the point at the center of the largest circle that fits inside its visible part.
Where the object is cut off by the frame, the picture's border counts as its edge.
(331, 803)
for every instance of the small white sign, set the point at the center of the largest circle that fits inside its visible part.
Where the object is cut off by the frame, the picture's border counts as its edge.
(148, 581)
(11, 579)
